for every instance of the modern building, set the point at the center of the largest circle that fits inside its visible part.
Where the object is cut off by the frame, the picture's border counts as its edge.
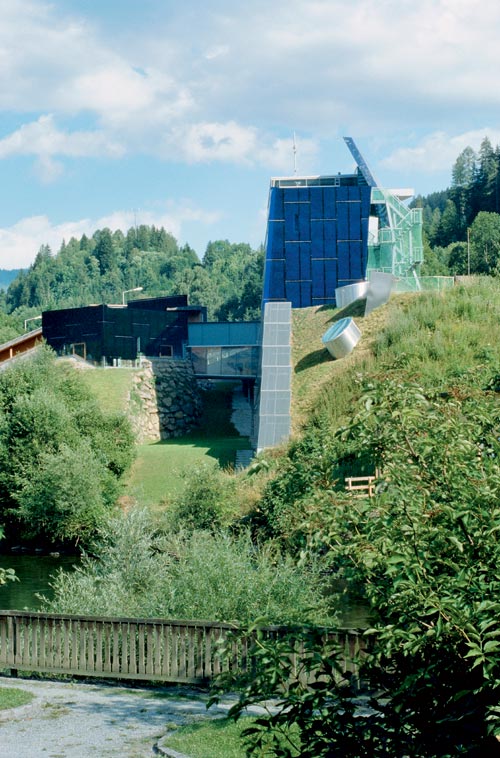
(326, 232)
(156, 327)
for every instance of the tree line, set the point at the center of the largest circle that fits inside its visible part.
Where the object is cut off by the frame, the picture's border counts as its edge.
(462, 223)
(228, 280)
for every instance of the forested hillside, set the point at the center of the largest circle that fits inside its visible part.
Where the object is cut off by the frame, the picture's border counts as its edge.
(7, 276)
(461, 235)
(466, 212)
(98, 269)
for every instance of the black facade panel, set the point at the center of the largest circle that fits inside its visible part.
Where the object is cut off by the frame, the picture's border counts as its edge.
(159, 303)
(106, 332)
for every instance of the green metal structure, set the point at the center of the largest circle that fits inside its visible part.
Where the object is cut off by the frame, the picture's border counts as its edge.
(396, 248)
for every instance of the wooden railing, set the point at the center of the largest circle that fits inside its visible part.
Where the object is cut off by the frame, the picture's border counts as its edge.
(123, 648)
(362, 486)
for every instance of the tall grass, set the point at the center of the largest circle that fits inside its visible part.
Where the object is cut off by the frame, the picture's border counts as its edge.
(441, 340)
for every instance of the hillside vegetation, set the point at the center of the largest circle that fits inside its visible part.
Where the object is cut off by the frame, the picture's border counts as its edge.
(415, 404)
(418, 403)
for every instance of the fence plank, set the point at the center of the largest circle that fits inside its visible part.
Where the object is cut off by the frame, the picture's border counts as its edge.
(151, 649)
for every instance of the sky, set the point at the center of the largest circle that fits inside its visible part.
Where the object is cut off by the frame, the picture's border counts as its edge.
(118, 112)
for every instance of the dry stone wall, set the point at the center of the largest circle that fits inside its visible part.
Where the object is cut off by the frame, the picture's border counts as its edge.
(164, 400)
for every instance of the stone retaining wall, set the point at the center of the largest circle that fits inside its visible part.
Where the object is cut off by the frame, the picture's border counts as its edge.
(164, 400)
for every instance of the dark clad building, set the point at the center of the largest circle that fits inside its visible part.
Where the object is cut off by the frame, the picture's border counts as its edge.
(103, 333)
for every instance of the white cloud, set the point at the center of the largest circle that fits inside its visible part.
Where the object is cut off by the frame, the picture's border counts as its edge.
(225, 83)
(20, 242)
(43, 138)
(217, 51)
(236, 143)
(278, 155)
(438, 151)
(214, 141)
(284, 61)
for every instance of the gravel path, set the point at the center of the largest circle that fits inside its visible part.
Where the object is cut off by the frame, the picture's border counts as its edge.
(76, 720)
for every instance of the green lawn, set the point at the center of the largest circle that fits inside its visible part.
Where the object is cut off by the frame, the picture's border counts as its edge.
(220, 738)
(110, 386)
(159, 467)
(212, 739)
(11, 697)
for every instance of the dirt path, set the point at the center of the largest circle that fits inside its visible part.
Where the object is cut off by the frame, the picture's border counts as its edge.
(76, 720)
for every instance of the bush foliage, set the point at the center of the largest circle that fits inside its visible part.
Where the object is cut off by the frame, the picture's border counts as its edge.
(137, 570)
(424, 552)
(61, 457)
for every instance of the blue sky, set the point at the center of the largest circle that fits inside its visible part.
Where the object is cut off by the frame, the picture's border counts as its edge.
(115, 112)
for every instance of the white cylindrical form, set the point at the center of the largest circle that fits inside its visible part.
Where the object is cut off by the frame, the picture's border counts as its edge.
(350, 293)
(341, 338)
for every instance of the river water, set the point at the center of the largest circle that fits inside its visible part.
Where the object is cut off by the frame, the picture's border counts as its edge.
(35, 572)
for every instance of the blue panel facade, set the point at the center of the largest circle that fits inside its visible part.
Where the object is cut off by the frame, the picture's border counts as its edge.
(316, 195)
(292, 258)
(305, 222)
(291, 221)
(276, 239)
(329, 202)
(317, 240)
(293, 293)
(305, 261)
(344, 267)
(354, 220)
(330, 278)
(276, 200)
(343, 220)
(318, 277)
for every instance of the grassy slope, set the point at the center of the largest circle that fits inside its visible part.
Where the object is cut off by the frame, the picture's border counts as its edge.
(441, 340)
(314, 368)
(159, 468)
(110, 386)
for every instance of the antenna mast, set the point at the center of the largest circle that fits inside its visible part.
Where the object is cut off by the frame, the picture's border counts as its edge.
(294, 156)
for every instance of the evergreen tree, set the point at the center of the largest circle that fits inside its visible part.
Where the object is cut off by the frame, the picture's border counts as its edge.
(104, 252)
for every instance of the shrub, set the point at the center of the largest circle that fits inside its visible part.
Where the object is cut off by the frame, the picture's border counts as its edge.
(60, 456)
(205, 501)
(139, 571)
